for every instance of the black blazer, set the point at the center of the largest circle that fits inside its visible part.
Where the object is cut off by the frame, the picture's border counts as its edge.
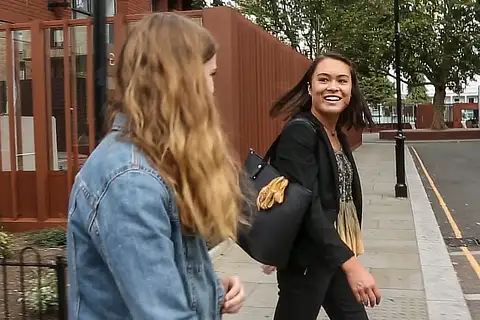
(308, 158)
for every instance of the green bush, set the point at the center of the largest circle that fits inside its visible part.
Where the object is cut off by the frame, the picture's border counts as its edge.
(5, 245)
(42, 299)
(49, 238)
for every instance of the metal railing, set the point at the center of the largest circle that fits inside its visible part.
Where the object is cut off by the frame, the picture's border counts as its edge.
(24, 292)
(388, 114)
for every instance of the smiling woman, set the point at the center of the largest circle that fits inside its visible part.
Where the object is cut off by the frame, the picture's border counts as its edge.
(323, 265)
(355, 113)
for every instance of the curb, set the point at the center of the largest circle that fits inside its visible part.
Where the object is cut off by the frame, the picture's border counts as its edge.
(220, 249)
(444, 296)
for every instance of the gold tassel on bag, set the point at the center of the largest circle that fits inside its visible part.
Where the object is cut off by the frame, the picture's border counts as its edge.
(272, 193)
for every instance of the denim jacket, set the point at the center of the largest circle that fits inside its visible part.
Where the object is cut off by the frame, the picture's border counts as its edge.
(128, 258)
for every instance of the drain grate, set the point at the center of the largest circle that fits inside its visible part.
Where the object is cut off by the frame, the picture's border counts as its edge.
(462, 242)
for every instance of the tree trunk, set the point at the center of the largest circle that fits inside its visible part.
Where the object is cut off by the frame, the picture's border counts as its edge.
(438, 122)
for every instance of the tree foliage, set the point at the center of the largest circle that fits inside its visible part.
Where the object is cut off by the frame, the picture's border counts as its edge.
(442, 39)
(198, 4)
(377, 89)
(307, 26)
(296, 22)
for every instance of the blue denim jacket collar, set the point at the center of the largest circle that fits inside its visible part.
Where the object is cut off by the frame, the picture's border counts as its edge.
(119, 122)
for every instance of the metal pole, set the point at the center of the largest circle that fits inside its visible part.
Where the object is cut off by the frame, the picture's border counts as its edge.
(478, 107)
(99, 65)
(400, 186)
(60, 268)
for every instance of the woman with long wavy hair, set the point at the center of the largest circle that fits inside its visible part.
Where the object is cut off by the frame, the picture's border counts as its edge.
(159, 185)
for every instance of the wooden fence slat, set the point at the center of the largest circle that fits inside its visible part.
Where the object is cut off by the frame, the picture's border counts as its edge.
(90, 89)
(11, 123)
(40, 120)
(68, 104)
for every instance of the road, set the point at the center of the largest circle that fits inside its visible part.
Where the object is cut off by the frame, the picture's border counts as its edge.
(454, 191)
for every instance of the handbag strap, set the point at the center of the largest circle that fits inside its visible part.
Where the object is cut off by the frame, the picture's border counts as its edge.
(273, 147)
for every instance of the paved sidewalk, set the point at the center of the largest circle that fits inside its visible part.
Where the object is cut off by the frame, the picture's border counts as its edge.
(392, 251)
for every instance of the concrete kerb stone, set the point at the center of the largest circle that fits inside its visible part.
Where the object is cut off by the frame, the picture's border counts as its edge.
(445, 299)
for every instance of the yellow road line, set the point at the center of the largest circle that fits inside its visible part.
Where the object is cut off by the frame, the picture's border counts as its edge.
(458, 234)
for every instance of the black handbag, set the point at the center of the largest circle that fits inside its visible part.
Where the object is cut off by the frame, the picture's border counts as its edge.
(270, 235)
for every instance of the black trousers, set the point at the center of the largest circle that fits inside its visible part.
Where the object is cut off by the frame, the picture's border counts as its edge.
(302, 292)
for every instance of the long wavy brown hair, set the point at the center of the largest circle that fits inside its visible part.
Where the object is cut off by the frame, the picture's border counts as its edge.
(172, 118)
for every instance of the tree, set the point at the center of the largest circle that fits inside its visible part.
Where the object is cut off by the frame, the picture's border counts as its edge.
(303, 25)
(440, 41)
(377, 89)
(198, 4)
(440, 38)
(363, 32)
(296, 22)
(417, 95)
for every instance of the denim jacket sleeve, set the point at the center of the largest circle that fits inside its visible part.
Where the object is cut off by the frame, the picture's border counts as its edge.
(134, 234)
(220, 292)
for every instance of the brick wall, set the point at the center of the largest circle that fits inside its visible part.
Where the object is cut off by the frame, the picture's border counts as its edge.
(14, 11)
(139, 6)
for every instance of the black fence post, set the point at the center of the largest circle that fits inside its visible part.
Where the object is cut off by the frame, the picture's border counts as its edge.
(100, 66)
(60, 268)
(5, 288)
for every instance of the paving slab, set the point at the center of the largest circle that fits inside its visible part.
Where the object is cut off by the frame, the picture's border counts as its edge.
(392, 255)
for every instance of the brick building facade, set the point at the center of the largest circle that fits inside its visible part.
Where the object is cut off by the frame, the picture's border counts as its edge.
(15, 11)
(21, 11)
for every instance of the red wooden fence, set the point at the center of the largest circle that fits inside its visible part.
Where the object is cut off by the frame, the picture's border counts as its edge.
(47, 112)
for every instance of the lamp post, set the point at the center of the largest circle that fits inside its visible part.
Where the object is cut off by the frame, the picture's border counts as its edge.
(400, 186)
(99, 65)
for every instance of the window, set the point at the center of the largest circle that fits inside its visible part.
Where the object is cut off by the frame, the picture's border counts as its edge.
(111, 9)
(472, 99)
(56, 38)
(3, 97)
(81, 66)
(83, 9)
(23, 70)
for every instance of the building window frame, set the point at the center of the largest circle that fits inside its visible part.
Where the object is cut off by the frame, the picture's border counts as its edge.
(82, 9)
(56, 38)
(86, 10)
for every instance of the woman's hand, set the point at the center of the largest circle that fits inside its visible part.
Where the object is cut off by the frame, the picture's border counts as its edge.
(268, 270)
(234, 295)
(362, 283)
